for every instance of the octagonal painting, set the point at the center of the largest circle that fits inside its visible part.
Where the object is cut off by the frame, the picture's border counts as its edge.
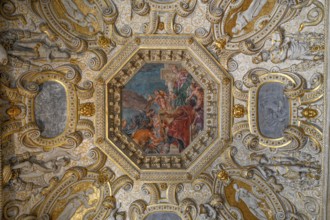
(163, 111)
(162, 108)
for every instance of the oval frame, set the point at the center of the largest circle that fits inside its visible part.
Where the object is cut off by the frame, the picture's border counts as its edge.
(293, 87)
(28, 86)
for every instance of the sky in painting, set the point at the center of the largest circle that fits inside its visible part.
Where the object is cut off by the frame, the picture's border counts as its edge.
(147, 80)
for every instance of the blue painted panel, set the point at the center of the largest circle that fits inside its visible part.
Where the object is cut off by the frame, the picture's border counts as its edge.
(163, 216)
(50, 109)
(273, 110)
(162, 108)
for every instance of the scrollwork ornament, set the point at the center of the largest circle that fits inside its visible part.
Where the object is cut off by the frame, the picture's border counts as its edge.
(311, 206)
(294, 135)
(203, 180)
(78, 184)
(94, 32)
(97, 59)
(315, 15)
(164, 21)
(123, 74)
(255, 180)
(14, 209)
(247, 182)
(28, 87)
(140, 7)
(8, 9)
(247, 25)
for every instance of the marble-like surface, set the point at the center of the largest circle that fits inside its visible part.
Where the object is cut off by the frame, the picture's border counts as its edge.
(292, 191)
(163, 216)
(273, 110)
(50, 109)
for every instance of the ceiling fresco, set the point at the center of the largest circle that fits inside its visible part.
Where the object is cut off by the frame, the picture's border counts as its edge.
(164, 109)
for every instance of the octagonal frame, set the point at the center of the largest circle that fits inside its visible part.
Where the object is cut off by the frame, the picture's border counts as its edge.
(217, 104)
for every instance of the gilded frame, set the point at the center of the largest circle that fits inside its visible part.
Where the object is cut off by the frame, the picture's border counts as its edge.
(97, 178)
(28, 88)
(296, 134)
(186, 210)
(204, 68)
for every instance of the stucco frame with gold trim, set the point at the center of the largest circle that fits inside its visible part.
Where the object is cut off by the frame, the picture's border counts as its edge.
(186, 210)
(27, 90)
(204, 68)
(295, 135)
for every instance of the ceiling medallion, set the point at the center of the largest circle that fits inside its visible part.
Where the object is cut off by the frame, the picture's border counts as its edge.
(163, 108)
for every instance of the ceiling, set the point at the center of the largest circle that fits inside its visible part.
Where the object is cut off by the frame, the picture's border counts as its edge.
(164, 109)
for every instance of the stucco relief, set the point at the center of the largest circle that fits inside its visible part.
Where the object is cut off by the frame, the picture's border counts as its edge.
(164, 109)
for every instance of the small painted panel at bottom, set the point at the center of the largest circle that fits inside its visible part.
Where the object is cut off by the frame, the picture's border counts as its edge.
(163, 216)
(273, 110)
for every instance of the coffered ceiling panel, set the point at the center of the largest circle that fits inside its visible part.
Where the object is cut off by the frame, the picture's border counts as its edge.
(164, 109)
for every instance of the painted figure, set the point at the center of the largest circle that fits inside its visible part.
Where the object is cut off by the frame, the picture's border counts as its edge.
(75, 201)
(251, 202)
(179, 128)
(146, 138)
(77, 16)
(29, 47)
(181, 86)
(287, 166)
(243, 18)
(161, 99)
(163, 116)
(197, 93)
(182, 76)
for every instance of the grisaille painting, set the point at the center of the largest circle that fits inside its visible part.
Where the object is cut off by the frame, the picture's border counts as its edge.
(273, 109)
(163, 216)
(163, 108)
